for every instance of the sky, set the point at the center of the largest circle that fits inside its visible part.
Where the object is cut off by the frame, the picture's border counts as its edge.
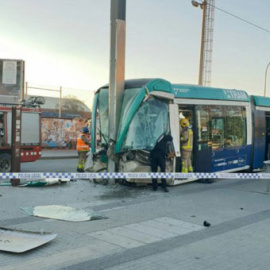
(67, 42)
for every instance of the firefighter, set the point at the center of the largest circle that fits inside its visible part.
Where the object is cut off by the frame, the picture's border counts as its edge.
(83, 146)
(186, 139)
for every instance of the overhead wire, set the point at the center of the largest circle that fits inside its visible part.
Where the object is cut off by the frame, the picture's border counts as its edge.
(239, 18)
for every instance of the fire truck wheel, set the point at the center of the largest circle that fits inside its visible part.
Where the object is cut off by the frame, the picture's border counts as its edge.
(5, 163)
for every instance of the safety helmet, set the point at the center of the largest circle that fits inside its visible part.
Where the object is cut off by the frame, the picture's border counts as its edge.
(85, 130)
(184, 123)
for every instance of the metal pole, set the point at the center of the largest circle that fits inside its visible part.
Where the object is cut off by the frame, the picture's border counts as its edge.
(26, 90)
(23, 80)
(201, 67)
(117, 71)
(60, 102)
(265, 78)
(16, 139)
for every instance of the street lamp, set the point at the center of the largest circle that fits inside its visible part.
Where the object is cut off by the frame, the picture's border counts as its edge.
(265, 78)
(196, 4)
(203, 7)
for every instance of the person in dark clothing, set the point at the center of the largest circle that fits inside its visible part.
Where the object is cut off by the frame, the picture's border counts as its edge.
(158, 158)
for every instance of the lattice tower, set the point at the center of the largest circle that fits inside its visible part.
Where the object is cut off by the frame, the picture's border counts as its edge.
(207, 42)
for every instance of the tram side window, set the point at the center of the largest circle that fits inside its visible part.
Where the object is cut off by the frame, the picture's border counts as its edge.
(221, 126)
(235, 126)
(228, 126)
(217, 128)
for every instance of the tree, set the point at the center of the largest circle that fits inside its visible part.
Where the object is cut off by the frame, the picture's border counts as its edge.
(72, 105)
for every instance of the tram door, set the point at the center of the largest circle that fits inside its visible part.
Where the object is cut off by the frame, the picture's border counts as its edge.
(202, 141)
(187, 112)
(259, 143)
(267, 137)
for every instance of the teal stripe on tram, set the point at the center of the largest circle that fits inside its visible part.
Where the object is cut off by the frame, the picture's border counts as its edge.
(210, 93)
(261, 101)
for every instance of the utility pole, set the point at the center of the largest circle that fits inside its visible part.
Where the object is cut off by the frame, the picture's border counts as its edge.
(117, 71)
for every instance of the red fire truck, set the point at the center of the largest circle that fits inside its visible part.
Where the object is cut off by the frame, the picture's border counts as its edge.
(30, 136)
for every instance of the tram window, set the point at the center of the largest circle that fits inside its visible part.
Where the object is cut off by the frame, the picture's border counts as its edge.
(221, 126)
(235, 128)
(217, 125)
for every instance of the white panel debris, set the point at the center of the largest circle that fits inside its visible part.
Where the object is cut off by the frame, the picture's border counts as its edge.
(18, 241)
(62, 212)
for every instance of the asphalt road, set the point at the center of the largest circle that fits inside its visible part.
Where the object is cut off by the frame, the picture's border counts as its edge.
(50, 165)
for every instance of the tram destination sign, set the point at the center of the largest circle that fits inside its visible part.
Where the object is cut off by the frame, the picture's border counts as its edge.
(11, 81)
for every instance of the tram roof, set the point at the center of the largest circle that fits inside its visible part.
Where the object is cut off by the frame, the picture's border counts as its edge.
(132, 83)
(203, 92)
(261, 101)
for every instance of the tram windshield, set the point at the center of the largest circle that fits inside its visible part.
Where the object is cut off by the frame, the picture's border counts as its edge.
(128, 99)
(150, 121)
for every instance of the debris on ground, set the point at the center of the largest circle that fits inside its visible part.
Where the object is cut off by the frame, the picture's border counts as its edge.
(62, 213)
(44, 182)
(206, 224)
(19, 241)
(35, 182)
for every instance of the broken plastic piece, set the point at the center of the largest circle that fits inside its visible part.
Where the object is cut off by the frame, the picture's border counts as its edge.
(62, 212)
(18, 241)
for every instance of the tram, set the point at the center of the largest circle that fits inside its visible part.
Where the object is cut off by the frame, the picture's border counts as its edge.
(231, 129)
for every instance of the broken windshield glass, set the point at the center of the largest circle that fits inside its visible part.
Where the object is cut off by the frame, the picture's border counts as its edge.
(148, 124)
(128, 99)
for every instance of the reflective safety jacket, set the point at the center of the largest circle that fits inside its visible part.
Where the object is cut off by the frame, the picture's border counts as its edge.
(187, 139)
(81, 145)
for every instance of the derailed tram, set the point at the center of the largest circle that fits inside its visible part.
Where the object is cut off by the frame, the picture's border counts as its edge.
(231, 130)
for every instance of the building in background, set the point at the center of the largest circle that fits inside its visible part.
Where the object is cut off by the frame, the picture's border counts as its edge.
(62, 132)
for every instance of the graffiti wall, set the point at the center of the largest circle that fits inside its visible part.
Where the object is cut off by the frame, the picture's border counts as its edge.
(61, 133)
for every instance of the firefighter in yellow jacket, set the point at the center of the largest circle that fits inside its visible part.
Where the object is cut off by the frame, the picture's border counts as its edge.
(186, 139)
(83, 146)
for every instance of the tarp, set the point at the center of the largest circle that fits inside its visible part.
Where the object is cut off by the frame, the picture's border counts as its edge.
(62, 212)
(18, 241)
